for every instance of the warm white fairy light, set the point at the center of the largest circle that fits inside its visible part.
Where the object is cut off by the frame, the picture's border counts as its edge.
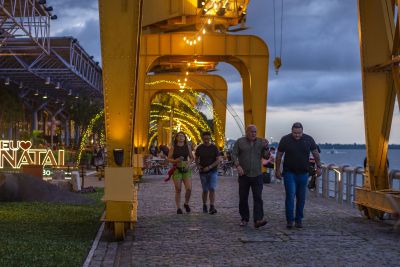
(216, 118)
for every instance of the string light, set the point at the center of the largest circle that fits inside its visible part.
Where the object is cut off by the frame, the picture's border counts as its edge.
(201, 122)
(203, 100)
(87, 135)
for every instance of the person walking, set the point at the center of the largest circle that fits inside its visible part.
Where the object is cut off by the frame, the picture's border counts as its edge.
(296, 147)
(181, 156)
(207, 161)
(246, 155)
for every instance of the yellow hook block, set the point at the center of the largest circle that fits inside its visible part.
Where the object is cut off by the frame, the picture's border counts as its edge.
(277, 64)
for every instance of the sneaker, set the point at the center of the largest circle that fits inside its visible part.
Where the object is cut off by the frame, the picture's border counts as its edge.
(205, 209)
(298, 225)
(260, 223)
(212, 210)
(243, 223)
(179, 211)
(187, 208)
(289, 225)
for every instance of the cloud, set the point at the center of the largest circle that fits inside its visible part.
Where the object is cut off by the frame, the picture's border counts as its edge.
(61, 6)
(321, 57)
(320, 79)
(79, 19)
(317, 35)
(303, 88)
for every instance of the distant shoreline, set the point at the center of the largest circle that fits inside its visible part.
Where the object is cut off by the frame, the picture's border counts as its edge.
(327, 146)
(350, 146)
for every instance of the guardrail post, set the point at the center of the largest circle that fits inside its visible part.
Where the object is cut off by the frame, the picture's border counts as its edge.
(325, 182)
(391, 175)
(348, 187)
(339, 180)
(317, 184)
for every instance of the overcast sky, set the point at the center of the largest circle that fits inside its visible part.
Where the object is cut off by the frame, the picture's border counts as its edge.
(319, 83)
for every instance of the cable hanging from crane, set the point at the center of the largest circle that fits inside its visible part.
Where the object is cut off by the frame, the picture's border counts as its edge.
(278, 57)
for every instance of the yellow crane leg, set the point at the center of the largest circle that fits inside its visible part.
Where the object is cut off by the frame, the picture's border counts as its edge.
(213, 85)
(249, 54)
(119, 56)
(376, 28)
(163, 137)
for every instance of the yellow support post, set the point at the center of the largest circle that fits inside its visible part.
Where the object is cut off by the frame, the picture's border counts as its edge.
(377, 32)
(378, 90)
(120, 57)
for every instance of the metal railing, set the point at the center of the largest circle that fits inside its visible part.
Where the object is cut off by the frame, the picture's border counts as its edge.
(339, 182)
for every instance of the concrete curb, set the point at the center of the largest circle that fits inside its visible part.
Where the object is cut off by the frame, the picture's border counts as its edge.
(94, 246)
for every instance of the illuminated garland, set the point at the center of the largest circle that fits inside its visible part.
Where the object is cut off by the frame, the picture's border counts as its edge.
(186, 118)
(186, 129)
(102, 138)
(204, 125)
(151, 139)
(194, 133)
(87, 134)
(164, 118)
(217, 121)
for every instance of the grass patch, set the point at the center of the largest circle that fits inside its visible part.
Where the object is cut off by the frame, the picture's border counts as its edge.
(45, 234)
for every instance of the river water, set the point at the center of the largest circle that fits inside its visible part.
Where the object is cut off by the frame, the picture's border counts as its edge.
(355, 157)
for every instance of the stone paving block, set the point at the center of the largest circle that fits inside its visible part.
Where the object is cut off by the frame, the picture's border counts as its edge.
(333, 235)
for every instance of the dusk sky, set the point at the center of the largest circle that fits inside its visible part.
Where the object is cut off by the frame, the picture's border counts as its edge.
(319, 83)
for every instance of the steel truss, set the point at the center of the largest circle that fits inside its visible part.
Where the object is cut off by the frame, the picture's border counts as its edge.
(66, 70)
(24, 19)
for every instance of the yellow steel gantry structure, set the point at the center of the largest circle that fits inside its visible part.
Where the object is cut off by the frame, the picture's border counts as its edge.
(173, 36)
(379, 35)
(120, 59)
(125, 74)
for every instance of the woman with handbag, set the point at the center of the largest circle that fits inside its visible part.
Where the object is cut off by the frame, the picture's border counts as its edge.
(180, 155)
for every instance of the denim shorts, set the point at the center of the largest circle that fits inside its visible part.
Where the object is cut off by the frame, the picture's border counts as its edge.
(209, 180)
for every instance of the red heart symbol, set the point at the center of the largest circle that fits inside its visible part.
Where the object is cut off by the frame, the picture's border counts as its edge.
(25, 145)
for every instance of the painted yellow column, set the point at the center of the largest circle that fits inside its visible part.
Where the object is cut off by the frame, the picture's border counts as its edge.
(378, 90)
(119, 56)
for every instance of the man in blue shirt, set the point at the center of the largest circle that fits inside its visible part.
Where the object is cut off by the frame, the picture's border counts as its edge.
(297, 147)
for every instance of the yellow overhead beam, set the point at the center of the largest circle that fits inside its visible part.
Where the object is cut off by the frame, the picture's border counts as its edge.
(248, 54)
(167, 15)
(120, 60)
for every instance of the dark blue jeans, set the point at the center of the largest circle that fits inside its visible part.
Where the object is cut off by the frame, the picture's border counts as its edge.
(295, 186)
(256, 184)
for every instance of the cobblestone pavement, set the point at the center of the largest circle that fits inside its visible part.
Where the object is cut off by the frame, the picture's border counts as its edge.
(332, 235)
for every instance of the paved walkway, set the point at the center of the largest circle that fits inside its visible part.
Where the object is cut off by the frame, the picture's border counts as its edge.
(332, 236)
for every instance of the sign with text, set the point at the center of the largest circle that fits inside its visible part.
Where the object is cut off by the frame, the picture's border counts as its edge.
(18, 153)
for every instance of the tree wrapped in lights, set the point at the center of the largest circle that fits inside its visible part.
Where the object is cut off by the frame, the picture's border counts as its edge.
(180, 110)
